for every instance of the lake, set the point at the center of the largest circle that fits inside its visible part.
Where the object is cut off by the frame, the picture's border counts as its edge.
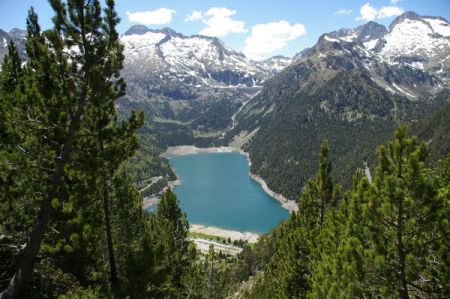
(216, 190)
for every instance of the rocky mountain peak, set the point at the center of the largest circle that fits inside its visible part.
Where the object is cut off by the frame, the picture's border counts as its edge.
(18, 36)
(137, 29)
(168, 31)
(17, 33)
(370, 31)
(410, 15)
(168, 56)
(412, 58)
(3, 34)
(364, 33)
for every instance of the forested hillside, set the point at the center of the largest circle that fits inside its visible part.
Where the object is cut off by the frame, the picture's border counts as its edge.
(434, 129)
(385, 238)
(72, 223)
(349, 91)
(71, 217)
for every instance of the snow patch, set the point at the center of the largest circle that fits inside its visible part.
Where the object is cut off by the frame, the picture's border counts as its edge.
(417, 65)
(349, 38)
(439, 26)
(330, 39)
(371, 44)
(401, 90)
(412, 38)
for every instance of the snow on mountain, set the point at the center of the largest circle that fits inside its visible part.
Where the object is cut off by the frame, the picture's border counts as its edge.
(414, 36)
(365, 33)
(423, 43)
(18, 36)
(274, 65)
(411, 57)
(439, 25)
(205, 60)
(413, 53)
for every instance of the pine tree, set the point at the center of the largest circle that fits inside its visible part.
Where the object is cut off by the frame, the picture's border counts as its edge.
(68, 68)
(111, 144)
(175, 228)
(338, 259)
(212, 276)
(288, 272)
(11, 69)
(10, 134)
(390, 239)
(404, 217)
(164, 258)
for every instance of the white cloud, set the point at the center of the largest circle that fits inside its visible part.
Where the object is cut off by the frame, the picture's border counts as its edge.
(218, 21)
(194, 16)
(343, 11)
(389, 11)
(369, 13)
(154, 17)
(269, 37)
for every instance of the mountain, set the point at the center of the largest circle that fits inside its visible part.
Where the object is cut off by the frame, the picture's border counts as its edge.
(189, 85)
(196, 60)
(434, 130)
(18, 36)
(353, 88)
(410, 58)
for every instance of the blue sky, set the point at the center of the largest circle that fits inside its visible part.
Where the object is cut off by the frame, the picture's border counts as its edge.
(259, 28)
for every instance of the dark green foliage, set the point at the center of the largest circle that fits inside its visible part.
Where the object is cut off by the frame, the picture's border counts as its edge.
(404, 219)
(312, 100)
(383, 239)
(175, 227)
(66, 209)
(160, 266)
(434, 129)
(71, 217)
(289, 269)
(174, 124)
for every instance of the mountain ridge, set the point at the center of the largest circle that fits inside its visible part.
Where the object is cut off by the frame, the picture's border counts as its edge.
(207, 60)
(343, 90)
(360, 81)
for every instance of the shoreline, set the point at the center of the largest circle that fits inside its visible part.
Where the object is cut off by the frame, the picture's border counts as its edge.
(183, 150)
(150, 201)
(287, 204)
(226, 233)
(154, 198)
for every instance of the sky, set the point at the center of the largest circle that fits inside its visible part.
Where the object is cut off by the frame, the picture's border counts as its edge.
(258, 28)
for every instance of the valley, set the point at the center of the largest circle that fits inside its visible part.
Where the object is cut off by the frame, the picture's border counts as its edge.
(150, 163)
(216, 190)
(351, 88)
(343, 88)
(352, 83)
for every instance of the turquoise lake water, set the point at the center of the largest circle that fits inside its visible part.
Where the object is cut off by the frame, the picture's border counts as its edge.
(216, 190)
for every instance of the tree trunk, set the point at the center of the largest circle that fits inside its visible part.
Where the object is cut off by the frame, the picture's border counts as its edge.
(322, 209)
(23, 271)
(9, 192)
(403, 287)
(112, 260)
(401, 275)
(25, 266)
